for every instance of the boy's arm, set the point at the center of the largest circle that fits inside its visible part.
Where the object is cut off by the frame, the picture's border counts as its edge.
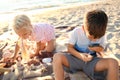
(97, 49)
(72, 51)
(83, 56)
(100, 50)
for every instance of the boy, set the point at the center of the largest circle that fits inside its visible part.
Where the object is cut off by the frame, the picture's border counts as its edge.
(83, 56)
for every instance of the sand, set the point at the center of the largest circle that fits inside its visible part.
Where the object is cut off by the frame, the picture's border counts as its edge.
(67, 18)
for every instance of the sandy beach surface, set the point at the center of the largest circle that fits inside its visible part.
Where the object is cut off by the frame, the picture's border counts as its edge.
(66, 19)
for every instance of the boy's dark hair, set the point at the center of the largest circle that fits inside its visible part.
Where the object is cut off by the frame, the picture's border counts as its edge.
(96, 23)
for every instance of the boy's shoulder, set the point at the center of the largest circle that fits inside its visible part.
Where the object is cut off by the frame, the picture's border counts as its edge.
(78, 29)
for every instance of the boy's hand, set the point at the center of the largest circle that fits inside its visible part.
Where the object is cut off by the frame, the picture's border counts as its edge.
(86, 57)
(96, 49)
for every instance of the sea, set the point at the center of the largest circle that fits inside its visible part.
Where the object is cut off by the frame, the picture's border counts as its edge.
(10, 7)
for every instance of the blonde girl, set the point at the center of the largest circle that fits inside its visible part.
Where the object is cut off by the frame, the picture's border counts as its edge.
(41, 33)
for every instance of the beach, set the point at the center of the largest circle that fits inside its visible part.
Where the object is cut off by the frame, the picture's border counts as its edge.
(67, 18)
(73, 17)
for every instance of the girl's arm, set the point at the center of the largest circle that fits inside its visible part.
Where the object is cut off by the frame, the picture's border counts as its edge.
(16, 50)
(38, 47)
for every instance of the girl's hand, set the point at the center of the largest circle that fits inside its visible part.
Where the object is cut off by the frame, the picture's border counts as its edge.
(2, 64)
(32, 55)
(86, 57)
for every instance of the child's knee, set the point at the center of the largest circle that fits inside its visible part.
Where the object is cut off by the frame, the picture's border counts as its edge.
(112, 62)
(57, 57)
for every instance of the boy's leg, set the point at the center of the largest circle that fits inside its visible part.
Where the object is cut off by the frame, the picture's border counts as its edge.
(109, 64)
(58, 61)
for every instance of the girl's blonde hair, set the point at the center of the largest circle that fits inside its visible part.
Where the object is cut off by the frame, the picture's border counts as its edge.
(21, 21)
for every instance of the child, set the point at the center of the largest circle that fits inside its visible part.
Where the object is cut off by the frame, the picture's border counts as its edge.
(43, 34)
(81, 56)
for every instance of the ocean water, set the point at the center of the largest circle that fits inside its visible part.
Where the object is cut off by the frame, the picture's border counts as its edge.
(8, 7)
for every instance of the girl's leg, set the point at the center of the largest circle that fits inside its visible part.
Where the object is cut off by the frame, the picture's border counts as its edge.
(45, 49)
(50, 46)
(42, 46)
(58, 61)
(111, 65)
